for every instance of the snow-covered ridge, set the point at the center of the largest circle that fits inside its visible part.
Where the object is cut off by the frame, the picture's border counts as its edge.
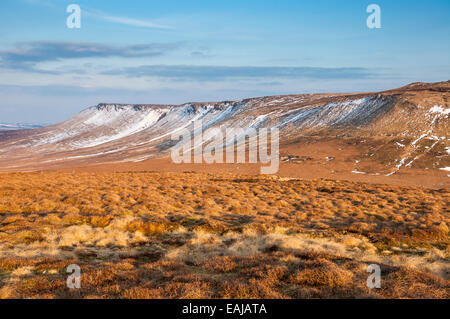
(105, 123)
(110, 122)
(101, 124)
(18, 126)
(137, 107)
(356, 111)
(135, 132)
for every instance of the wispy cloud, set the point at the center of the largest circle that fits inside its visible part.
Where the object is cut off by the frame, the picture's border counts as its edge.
(135, 22)
(25, 55)
(213, 73)
(141, 23)
(125, 20)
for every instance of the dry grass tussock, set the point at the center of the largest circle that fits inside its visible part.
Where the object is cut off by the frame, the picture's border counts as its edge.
(164, 235)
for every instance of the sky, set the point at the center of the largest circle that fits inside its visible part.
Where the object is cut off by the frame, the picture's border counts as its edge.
(172, 52)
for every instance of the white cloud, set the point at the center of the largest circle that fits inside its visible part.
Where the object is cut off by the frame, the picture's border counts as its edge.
(135, 22)
(125, 20)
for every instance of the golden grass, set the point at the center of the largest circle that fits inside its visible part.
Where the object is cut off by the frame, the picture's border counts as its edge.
(164, 235)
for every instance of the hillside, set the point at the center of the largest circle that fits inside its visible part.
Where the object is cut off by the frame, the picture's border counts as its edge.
(380, 133)
(363, 180)
(185, 235)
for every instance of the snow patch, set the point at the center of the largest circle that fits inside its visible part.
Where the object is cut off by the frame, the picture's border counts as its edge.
(440, 110)
(419, 138)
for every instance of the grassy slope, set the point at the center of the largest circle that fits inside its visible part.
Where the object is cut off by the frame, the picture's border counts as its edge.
(150, 235)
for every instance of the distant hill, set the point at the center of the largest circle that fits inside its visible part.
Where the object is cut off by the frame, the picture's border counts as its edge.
(18, 126)
(387, 131)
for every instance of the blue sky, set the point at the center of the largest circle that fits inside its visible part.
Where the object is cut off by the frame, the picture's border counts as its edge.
(179, 51)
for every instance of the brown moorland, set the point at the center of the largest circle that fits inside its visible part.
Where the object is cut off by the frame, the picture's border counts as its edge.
(200, 235)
